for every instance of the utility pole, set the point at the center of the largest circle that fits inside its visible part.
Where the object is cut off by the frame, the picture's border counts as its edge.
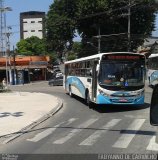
(2, 29)
(3, 35)
(99, 39)
(8, 55)
(129, 25)
(14, 64)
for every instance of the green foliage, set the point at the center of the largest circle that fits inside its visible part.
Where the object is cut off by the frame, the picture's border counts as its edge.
(87, 16)
(31, 46)
(77, 47)
(71, 56)
(60, 25)
(53, 57)
(112, 21)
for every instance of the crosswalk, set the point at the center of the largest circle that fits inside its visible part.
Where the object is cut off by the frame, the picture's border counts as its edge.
(125, 137)
(97, 134)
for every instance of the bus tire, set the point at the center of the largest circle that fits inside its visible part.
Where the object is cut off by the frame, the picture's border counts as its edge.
(70, 92)
(88, 102)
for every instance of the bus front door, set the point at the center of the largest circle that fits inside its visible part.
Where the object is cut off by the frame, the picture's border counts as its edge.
(94, 80)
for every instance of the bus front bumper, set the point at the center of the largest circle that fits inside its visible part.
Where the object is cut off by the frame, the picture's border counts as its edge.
(120, 100)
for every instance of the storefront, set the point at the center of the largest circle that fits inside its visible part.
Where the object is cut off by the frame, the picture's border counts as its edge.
(24, 69)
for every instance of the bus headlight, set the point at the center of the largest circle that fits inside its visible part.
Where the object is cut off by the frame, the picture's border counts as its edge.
(140, 94)
(103, 93)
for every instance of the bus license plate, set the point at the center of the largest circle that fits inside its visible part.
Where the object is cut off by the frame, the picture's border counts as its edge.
(122, 100)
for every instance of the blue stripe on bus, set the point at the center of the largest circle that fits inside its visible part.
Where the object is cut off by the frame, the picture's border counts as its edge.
(103, 99)
(76, 82)
(106, 100)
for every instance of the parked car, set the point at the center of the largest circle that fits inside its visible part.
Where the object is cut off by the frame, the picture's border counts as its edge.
(56, 67)
(59, 74)
(55, 73)
(56, 70)
(56, 81)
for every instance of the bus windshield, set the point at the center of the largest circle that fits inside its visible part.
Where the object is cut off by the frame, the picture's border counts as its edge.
(121, 74)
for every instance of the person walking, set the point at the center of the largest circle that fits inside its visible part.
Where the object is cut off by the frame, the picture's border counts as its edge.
(4, 83)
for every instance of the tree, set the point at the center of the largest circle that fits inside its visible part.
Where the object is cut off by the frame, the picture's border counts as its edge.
(60, 25)
(75, 52)
(77, 47)
(31, 46)
(89, 17)
(114, 20)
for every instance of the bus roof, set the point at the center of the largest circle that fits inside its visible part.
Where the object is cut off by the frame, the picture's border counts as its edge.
(98, 56)
(153, 55)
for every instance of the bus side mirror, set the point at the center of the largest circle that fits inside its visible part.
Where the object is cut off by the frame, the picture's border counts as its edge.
(154, 107)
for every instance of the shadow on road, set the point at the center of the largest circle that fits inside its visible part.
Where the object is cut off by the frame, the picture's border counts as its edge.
(14, 114)
(106, 108)
(118, 108)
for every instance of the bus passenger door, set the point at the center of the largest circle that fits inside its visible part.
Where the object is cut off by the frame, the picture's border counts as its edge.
(94, 80)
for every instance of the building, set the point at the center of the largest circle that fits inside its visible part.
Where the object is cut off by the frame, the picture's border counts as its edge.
(24, 69)
(150, 46)
(32, 23)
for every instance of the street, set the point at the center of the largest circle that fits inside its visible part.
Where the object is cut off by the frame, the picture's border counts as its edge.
(76, 129)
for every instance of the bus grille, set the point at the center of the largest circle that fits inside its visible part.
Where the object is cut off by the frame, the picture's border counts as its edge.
(120, 101)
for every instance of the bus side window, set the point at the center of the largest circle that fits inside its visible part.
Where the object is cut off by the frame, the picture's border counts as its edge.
(87, 72)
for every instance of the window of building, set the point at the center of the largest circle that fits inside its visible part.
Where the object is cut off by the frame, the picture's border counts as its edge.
(32, 21)
(32, 30)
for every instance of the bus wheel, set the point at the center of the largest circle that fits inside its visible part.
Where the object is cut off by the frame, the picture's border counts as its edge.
(70, 92)
(88, 102)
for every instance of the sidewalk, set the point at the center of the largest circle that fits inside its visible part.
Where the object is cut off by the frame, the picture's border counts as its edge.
(147, 88)
(20, 110)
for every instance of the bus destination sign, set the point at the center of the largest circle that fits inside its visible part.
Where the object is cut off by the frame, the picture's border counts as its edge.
(122, 57)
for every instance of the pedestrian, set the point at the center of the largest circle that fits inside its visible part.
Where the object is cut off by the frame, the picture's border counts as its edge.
(4, 83)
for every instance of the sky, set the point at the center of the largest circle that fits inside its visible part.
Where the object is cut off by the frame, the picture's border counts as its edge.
(18, 6)
(155, 33)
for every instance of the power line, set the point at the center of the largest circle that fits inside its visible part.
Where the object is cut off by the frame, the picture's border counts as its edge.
(102, 13)
(130, 5)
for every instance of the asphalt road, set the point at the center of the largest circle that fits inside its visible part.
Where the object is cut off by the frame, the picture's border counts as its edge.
(76, 129)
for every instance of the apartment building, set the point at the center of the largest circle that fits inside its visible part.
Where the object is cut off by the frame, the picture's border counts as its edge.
(32, 23)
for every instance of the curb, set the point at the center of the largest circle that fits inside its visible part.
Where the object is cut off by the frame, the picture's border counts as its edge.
(31, 83)
(34, 124)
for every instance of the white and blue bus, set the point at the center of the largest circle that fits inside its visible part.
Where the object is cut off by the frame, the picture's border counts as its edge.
(152, 67)
(107, 78)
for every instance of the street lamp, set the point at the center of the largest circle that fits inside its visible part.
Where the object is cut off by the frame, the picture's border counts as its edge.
(3, 10)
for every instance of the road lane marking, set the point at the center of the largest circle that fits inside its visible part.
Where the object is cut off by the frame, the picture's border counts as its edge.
(75, 131)
(49, 131)
(127, 137)
(96, 135)
(153, 146)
